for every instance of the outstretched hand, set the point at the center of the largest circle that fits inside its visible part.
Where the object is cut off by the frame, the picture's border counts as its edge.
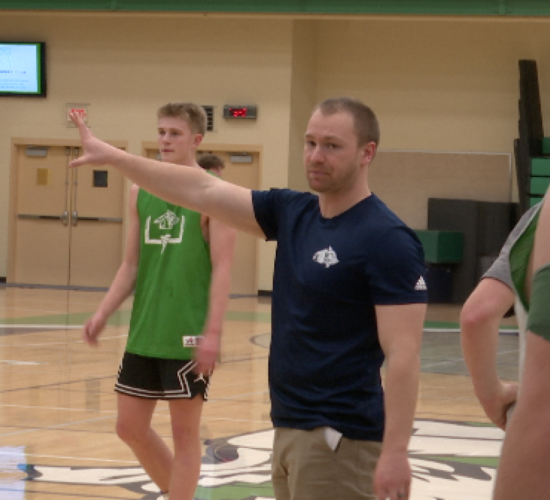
(94, 151)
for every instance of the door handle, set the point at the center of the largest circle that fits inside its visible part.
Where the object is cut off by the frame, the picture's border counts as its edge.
(39, 217)
(74, 218)
(65, 217)
(101, 219)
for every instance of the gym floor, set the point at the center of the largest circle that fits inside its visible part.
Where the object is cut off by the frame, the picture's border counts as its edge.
(58, 408)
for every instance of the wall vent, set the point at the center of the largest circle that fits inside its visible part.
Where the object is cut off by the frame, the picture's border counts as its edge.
(209, 118)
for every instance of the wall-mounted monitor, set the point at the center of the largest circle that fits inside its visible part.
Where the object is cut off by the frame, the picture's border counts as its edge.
(22, 69)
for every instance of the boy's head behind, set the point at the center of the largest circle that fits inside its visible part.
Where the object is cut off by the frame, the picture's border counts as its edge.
(211, 162)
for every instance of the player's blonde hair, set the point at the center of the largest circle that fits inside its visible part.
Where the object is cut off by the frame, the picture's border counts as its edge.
(190, 112)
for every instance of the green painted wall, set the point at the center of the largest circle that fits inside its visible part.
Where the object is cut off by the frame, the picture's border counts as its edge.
(420, 7)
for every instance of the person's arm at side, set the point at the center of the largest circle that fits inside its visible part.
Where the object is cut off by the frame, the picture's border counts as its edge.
(125, 278)
(524, 469)
(188, 187)
(222, 246)
(479, 324)
(400, 330)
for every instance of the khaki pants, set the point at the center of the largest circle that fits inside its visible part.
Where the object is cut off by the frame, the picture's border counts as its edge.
(305, 468)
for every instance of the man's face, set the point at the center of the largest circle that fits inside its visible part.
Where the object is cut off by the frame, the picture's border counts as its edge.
(332, 157)
(176, 141)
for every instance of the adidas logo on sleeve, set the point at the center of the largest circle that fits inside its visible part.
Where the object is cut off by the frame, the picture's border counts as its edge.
(420, 285)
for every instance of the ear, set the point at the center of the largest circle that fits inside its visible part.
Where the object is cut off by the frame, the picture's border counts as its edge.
(197, 140)
(368, 152)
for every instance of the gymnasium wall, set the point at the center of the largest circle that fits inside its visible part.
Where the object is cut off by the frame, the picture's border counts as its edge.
(303, 96)
(126, 66)
(437, 85)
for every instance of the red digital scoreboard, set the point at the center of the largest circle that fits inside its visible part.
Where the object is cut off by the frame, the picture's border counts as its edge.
(240, 112)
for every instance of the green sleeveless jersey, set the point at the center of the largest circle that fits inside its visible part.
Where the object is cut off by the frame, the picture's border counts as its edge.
(173, 281)
(520, 255)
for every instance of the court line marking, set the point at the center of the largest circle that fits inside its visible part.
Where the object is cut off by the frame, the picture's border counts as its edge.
(204, 417)
(457, 330)
(55, 384)
(55, 408)
(239, 396)
(65, 342)
(41, 327)
(57, 426)
(35, 455)
(79, 422)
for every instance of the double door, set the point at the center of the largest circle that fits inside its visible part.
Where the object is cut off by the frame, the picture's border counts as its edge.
(246, 174)
(66, 223)
(242, 169)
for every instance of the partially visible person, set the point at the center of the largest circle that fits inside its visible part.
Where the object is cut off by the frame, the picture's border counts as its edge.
(480, 319)
(215, 165)
(212, 163)
(348, 292)
(181, 276)
(524, 469)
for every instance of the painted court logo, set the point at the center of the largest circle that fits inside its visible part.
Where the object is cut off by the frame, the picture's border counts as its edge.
(327, 257)
(449, 460)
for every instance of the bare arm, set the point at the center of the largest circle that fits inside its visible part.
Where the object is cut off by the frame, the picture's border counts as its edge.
(188, 187)
(524, 469)
(400, 330)
(479, 322)
(222, 246)
(125, 278)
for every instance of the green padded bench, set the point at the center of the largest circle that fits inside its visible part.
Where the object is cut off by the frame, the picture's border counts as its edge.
(442, 247)
(538, 185)
(540, 167)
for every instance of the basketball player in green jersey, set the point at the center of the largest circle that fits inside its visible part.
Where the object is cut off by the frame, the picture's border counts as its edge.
(524, 469)
(179, 265)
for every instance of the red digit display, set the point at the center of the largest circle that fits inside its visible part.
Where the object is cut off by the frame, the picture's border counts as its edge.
(238, 112)
(247, 112)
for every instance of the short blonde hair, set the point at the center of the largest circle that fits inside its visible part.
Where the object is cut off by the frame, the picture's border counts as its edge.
(192, 113)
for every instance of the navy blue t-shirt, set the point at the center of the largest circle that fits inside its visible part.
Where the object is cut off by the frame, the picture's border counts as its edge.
(325, 357)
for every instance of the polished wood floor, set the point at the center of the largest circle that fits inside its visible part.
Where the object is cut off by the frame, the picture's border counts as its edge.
(58, 408)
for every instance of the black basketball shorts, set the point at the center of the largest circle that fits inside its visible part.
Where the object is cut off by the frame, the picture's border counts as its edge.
(157, 378)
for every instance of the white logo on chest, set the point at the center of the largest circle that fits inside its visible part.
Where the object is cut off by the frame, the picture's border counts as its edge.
(166, 222)
(326, 257)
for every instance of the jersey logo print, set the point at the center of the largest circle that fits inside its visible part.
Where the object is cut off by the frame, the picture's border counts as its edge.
(327, 257)
(191, 340)
(165, 222)
(420, 284)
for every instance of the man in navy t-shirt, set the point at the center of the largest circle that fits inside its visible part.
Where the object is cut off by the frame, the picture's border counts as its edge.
(348, 292)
